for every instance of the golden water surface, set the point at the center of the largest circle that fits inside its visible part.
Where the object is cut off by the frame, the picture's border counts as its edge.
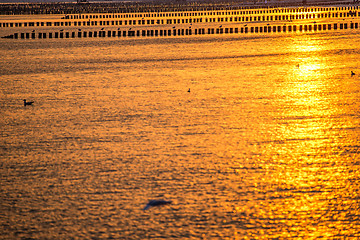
(265, 145)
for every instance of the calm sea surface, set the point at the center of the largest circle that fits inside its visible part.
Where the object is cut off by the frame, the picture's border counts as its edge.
(265, 145)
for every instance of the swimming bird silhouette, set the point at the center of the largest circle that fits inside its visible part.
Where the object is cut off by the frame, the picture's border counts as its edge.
(352, 73)
(27, 103)
(189, 90)
(153, 203)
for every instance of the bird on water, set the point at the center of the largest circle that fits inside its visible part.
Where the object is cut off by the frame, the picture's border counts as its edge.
(153, 203)
(352, 73)
(27, 103)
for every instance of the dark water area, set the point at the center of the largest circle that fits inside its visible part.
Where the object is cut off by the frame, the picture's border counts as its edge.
(265, 145)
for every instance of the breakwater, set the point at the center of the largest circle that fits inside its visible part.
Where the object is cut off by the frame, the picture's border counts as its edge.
(187, 31)
(156, 6)
(163, 24)
(148, 18)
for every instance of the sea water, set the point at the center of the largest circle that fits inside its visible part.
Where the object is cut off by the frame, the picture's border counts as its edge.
(249, 136)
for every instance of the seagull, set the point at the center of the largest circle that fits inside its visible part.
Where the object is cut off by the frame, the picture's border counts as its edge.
(153, 203)
(27, 103)
(352, 73)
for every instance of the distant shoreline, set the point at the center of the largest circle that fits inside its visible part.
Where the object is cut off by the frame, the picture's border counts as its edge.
(155, 6)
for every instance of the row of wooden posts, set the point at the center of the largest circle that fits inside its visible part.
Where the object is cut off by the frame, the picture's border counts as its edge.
(239, 15)
(187, 31)
(173, 20)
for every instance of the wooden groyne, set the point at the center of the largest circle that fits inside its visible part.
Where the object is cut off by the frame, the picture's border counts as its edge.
(162, 24)
(164, 18)
(155, 6)
(186, 31)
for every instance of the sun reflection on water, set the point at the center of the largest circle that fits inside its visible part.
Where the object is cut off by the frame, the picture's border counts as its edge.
(308, 169)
